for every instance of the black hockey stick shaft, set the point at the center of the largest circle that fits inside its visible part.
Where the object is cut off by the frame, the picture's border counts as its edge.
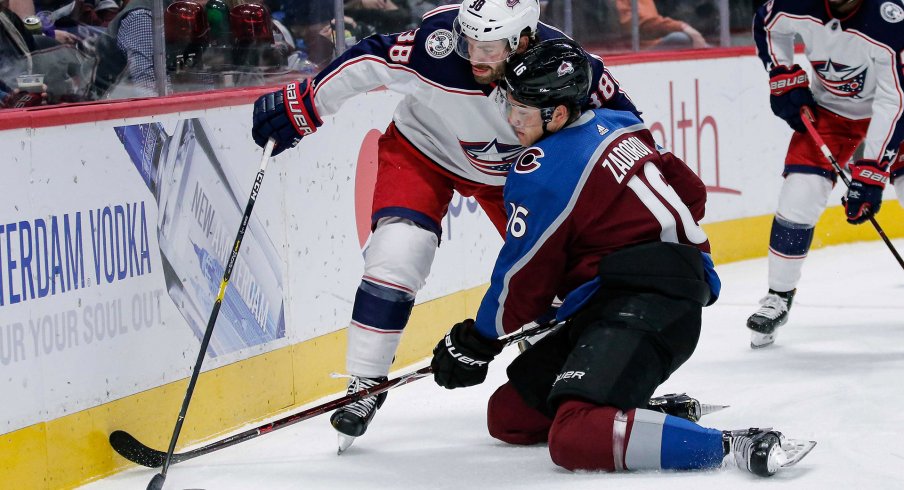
(132, 449)
(807, 116)
(157, 481)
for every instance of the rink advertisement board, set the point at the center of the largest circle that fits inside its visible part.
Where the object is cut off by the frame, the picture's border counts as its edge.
(115, 233)
(115, 245)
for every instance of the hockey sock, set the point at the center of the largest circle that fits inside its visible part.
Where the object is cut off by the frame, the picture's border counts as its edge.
(789, 244)
(586, 436)
(685, 445)
(379, 315)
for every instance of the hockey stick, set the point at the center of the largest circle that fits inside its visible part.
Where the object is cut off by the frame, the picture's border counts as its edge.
(135, 451)
(807, 116)
(156, 483)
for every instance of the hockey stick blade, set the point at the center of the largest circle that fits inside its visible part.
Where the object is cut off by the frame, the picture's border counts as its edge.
(135, 451)
(132, 449)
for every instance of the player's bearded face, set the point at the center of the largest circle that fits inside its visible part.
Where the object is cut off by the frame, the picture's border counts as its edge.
(487, 58)
(525, 120)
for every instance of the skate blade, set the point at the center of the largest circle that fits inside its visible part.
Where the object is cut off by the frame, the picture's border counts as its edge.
(344, 442)
(760, 340)
(706, 409)
(794, 450)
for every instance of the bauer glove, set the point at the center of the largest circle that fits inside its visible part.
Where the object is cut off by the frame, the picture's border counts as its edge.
(790, 91)
(286, 115)
(864, 197)
(463, 356)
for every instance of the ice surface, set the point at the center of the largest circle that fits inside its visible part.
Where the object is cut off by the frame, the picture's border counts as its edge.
(834, 375)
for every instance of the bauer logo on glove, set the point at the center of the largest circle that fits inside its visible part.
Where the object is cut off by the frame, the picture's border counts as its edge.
(297, 109)
(459, 356)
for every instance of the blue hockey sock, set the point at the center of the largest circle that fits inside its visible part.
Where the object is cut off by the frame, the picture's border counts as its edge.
(688, 446)
(791, 240)
(381, 308)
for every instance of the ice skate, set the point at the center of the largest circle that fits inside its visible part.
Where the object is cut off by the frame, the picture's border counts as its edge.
(681, 405)
(351, 421)
(773, 313)
(764, 451)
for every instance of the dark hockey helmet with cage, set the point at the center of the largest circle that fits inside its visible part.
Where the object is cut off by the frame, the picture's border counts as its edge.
(551, 73)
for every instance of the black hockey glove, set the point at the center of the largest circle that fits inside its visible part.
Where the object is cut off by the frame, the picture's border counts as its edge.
(286, 115)
(790, 91)
(463, 356)
(864, 197)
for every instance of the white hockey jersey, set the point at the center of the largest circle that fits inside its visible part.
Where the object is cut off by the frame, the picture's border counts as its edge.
(856, 61)
(446, 114)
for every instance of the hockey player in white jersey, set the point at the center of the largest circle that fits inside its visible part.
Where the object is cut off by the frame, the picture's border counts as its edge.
(856, 50)
(446, 135)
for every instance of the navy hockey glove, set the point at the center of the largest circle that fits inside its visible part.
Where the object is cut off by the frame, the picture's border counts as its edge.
(286, 115)
(790, 90)
(463, 356)
(864, 197)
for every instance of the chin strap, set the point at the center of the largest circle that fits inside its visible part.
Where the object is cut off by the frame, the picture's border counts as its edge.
(546, 115)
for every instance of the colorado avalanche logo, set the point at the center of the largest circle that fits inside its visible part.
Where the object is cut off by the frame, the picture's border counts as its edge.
(840, 80)
(566, 68)
(511, 3)
(529, 161)
(493, 158)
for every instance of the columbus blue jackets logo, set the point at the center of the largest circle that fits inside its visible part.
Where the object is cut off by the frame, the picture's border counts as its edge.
(493, 158)
(840, 80)
(439, 43)
(892, 12)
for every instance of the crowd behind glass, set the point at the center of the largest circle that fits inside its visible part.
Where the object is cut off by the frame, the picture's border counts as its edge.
(63, 51)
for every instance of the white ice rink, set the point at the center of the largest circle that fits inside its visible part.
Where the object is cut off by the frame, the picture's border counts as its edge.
(835, 376)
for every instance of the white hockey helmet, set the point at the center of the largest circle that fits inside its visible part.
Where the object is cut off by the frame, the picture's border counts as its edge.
(485, 21)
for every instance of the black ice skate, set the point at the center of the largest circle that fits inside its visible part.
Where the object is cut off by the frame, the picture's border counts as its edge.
(351, 421)
(681, 405)
(764, 451)
(772, 314)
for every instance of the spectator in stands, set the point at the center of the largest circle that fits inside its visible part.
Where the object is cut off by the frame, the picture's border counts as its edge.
(702, 14)
(420, 7)
(16, 46)
(594, 23)
(100, 12)
(381, 15)
(132, 29)
(656, 31)
(22, 52)
(310, 22)
(67, 11)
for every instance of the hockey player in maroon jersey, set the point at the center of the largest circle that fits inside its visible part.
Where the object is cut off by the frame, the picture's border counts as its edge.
(601, 217)
(446, 135)
(856, 52)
